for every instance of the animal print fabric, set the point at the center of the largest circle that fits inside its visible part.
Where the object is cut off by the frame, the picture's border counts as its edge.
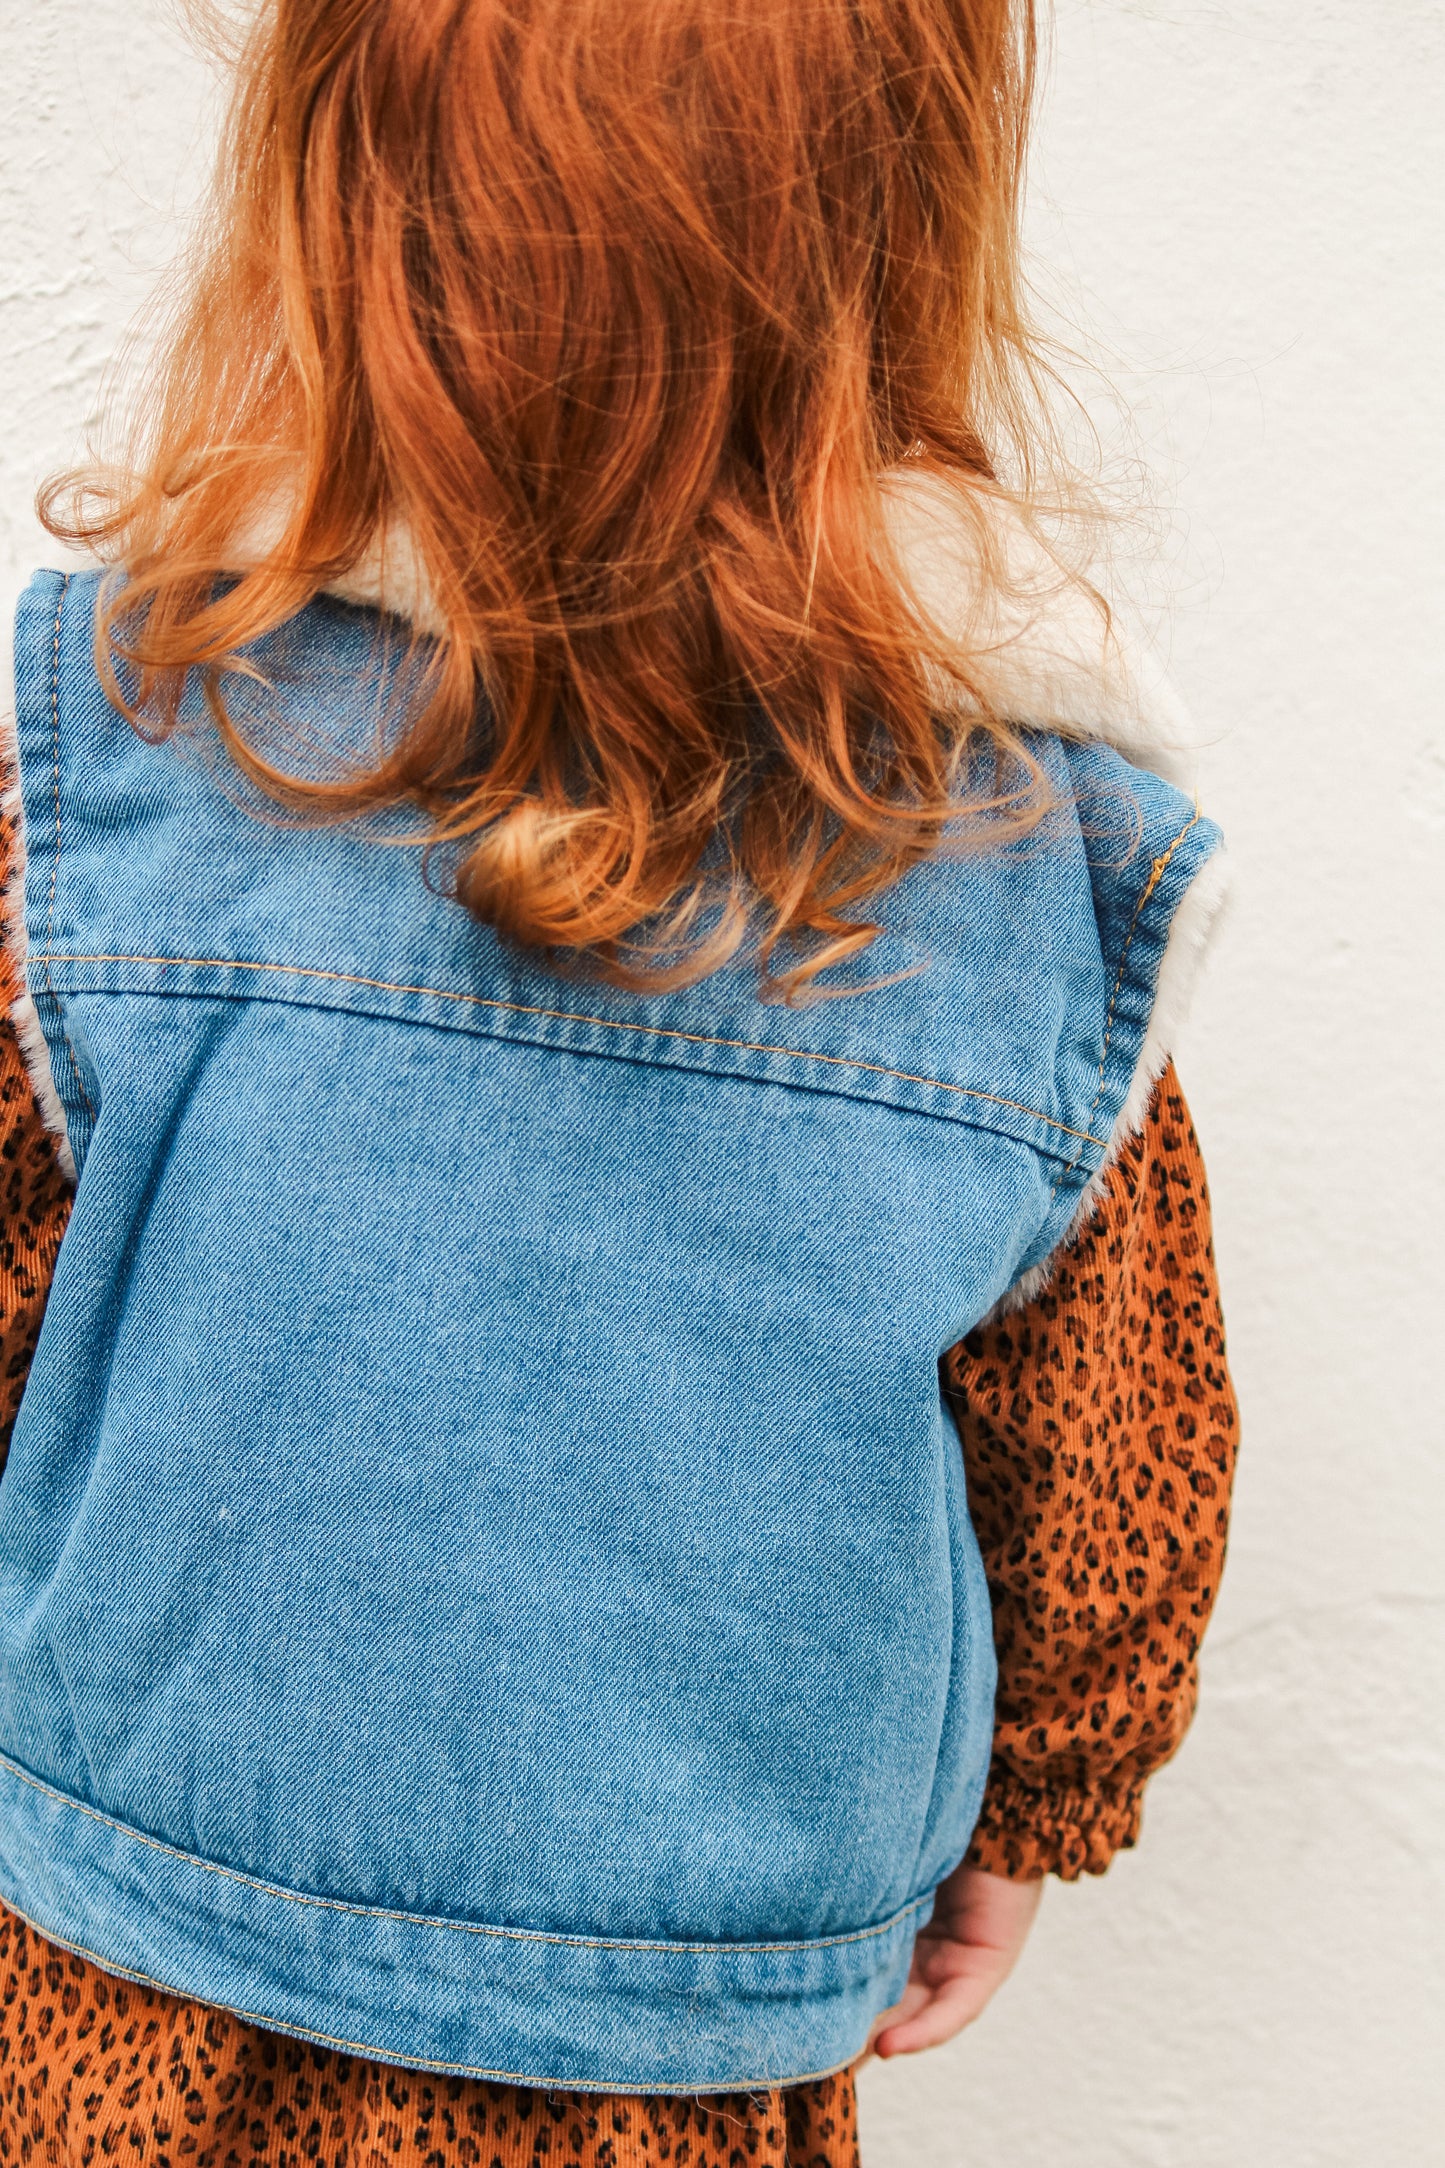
(1099, 1428)
(95, 2070)
(34, 1195)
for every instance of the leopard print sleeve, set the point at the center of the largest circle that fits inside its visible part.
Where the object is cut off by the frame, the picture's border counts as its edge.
(34, 1195)
(1098, 1427)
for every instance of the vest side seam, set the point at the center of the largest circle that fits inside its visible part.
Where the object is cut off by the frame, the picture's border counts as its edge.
(430, 1921)
(572, 1016)
(55, 866)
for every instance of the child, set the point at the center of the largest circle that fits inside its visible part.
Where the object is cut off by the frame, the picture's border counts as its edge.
(602, 979)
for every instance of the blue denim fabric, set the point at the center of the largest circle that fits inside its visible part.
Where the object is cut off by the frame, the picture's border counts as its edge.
(485, 1574)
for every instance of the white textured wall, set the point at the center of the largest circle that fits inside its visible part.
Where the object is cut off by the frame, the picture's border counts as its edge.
(1243, 201)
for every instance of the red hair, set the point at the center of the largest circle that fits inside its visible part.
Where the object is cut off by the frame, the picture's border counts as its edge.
(620, 311)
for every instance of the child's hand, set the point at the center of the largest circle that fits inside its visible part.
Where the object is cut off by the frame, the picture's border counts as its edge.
(969, 1947)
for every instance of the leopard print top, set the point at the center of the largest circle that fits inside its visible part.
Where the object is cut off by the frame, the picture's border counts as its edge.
(96, 2070)
(1098, 1428)
(34, 1199)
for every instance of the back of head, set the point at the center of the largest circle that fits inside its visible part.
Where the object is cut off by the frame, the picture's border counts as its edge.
(593, 335)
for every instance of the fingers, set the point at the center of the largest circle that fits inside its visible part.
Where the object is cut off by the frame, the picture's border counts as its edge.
(915, 1997)
(931, 2012)
(966, 1952)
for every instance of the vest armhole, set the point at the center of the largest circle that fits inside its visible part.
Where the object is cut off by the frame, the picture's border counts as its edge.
(1191, 923)
(18, 1000)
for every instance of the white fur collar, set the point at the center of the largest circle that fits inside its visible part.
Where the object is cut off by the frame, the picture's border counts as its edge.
(1047, 658)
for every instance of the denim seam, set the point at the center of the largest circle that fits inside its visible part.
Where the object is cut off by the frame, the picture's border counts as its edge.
(1156, 875)
(569, 1016)
(55, 868)
(361, 2047)
(460, 1927)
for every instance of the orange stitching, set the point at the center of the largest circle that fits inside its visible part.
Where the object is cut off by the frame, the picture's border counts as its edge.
(421, 1919)
(569, 1016)
(55, 869)
(1156, 875)
(114, 1967)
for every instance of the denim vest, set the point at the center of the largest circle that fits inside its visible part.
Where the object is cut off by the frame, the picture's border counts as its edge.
(485, 1574)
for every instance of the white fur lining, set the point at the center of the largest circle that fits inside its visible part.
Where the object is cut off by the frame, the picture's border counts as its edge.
(34, 1050)
(1191, 934)
(1043, 650)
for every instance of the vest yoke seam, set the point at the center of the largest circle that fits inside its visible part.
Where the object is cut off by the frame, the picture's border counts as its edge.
(573, 1016)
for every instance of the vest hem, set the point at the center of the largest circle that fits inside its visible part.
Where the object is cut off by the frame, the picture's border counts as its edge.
(519, 2006)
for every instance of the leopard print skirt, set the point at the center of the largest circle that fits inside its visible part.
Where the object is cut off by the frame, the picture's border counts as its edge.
(95, 2070)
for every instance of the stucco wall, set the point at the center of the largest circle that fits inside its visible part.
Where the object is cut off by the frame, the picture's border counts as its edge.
(1242, 201)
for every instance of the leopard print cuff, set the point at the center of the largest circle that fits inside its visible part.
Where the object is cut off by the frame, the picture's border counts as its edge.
(1024, 1832)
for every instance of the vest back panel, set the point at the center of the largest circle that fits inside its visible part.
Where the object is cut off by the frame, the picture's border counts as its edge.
(484, 1566)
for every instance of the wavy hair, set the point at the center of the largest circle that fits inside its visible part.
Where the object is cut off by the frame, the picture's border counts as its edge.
(614, 316)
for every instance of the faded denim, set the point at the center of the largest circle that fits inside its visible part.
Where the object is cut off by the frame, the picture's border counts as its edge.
(485, 1575)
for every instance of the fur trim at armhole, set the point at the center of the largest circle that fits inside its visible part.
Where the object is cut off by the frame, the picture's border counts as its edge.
(1196, 920)
(23, 1014)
